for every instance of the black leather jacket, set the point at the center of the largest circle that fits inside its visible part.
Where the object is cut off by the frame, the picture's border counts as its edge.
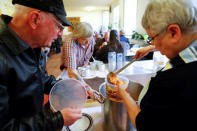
(23, 82)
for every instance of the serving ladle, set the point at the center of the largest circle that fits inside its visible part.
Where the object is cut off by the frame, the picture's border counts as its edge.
(111, 75)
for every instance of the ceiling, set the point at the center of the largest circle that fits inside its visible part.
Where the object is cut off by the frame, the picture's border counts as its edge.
(87, 5)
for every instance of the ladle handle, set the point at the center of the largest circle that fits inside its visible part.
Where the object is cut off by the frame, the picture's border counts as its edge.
(93, 59)
(99, 97)
(124, 67)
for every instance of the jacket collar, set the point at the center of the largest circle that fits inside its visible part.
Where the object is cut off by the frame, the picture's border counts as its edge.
(10, 38)
(186, 56)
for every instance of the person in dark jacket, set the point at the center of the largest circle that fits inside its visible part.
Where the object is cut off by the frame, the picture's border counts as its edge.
(100, 42)
(56, 45)
(23, 77)
(114, 45)
(167, 103)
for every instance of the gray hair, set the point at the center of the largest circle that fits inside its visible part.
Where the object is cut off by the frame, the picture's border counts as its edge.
(21, 10)
(161, 13)
(82, 30)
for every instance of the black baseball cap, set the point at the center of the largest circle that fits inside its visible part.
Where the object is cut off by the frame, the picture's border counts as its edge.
(55, 7)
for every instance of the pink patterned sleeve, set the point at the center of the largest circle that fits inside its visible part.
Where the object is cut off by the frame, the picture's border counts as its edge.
(68, 54)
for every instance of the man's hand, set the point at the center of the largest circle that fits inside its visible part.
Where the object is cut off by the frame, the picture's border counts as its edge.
(70, 115)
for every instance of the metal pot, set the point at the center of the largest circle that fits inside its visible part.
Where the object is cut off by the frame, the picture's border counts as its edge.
(115, 115)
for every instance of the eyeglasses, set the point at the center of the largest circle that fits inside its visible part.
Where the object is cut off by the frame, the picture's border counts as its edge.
(86, 40)
(150, 39)
(59, 25)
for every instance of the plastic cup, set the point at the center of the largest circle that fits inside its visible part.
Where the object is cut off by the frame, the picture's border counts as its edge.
(93, 65)
(102, 67)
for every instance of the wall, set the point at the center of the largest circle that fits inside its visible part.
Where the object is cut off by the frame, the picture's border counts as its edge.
(141, 6)
(6, 7)
(94, 18)
(194, 2)
(121, 13)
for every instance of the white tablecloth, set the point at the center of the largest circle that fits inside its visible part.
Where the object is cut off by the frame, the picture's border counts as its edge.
(140, 71)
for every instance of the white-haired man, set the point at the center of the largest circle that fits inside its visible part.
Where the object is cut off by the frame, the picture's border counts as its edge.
(23, 77)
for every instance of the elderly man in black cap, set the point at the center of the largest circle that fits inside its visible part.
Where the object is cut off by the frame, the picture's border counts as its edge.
(23, 78)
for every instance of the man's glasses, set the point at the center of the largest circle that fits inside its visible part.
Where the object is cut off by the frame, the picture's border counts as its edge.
(59, 25)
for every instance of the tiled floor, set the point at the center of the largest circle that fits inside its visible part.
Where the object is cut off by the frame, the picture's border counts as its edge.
(53, 64)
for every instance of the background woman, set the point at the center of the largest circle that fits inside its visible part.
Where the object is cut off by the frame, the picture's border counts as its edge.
(114, 45)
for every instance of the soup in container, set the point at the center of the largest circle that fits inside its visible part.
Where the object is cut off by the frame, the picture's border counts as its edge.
(112, 89)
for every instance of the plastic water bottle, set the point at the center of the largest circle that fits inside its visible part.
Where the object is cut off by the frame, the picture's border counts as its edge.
(119, 62)
(112, 61)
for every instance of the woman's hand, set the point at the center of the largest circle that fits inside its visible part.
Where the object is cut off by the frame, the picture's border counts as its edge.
(121, 91)
(144, 51)
(103, 44)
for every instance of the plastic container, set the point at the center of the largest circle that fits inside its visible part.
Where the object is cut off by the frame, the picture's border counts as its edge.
(112, 61)
(112, 90)
(119, 58)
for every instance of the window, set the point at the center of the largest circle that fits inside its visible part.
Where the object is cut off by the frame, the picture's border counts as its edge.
(115, 24)
(105, 21)
(130, 11)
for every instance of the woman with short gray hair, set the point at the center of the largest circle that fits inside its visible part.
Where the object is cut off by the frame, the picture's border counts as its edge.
(77, 50)
(81, 30)
(161, 13)
(78, 46)
(174, 13)
(167, 103)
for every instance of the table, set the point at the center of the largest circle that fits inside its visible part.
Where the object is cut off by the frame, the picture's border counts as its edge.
(139, 71)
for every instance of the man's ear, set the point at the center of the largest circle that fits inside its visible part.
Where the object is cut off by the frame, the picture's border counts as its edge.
(34, 19)
(174, 32)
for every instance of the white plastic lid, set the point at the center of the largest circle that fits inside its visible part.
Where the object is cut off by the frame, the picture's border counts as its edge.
(67, 93)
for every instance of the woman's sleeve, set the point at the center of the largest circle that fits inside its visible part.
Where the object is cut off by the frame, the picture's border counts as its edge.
(68, 54)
